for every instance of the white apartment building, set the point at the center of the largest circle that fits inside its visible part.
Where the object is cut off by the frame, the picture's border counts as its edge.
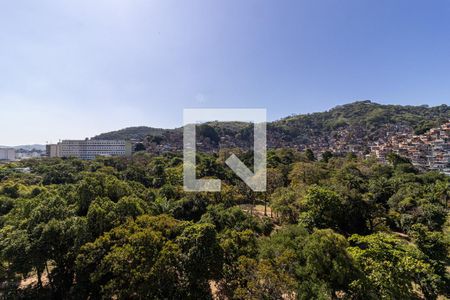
(8, 154)
(89, 149)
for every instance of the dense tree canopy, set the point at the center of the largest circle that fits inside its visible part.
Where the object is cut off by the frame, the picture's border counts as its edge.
(124, 228)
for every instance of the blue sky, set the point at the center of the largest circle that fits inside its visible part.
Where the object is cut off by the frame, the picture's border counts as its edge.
(73, 69)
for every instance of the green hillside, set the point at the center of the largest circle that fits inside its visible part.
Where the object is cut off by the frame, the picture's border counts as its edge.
(371, 116)
(347, 128)
(130, 133)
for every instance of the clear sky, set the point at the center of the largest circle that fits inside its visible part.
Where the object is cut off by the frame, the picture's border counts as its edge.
(76, 68)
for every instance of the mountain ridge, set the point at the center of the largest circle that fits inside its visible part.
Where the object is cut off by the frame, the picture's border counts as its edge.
(364, 113)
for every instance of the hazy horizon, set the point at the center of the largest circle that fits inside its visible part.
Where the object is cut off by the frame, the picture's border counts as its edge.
(76, 69)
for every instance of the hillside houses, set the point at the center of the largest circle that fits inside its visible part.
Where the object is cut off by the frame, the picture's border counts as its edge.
(430, 150)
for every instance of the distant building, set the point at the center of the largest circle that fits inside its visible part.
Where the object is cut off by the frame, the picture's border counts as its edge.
(8, 154)
(89, 149)
(52, 150)
(24, 154)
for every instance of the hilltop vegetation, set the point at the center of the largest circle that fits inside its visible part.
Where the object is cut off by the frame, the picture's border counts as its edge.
(130, 133)
(350, 127)
(123, 228)
(371, 116)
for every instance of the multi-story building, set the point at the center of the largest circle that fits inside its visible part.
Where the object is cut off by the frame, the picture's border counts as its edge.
(8, 154)
(52, 150)
(89, 148)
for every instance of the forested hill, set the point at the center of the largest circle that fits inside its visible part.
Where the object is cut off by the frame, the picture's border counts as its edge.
(353, 125)
(370, 115)
(130, 133)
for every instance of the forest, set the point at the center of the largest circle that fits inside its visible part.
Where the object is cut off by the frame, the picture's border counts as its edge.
(123, 228)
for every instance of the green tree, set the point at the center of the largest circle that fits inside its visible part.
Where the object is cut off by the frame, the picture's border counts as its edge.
(328, 268)
(310, 155)
(392, 266)
(321, 208)
(151, 257)
(285, 202)
(326, 156)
